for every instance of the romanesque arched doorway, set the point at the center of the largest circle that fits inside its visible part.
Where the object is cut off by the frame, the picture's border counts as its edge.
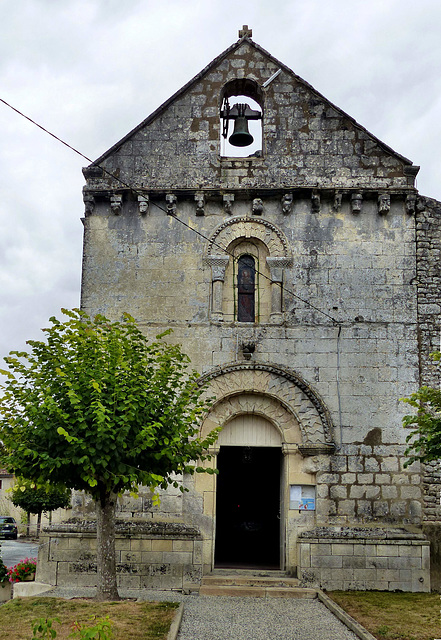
(273, 417)
(248, 497)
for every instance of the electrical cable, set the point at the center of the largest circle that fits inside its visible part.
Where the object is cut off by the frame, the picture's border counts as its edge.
(135, 191)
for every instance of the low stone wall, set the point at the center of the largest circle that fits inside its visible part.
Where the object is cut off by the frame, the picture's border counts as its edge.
(345, 558)
(149, 555)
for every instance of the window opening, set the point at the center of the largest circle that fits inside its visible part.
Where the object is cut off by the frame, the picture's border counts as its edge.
(246, 288)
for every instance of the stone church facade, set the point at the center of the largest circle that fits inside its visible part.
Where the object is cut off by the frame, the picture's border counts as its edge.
(303, 281)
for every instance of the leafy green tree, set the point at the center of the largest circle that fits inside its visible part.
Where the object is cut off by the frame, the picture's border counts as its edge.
(425, 438)
(39, 498)
(97, 407)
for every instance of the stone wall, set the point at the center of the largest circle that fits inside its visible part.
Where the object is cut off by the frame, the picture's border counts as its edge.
(369, 483)
(307, 141)
(149, 556)
(364, 559)
(328, 212)
(155, 269)
(428, 234)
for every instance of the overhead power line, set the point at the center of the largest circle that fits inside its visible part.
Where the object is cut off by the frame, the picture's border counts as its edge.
(137, 192)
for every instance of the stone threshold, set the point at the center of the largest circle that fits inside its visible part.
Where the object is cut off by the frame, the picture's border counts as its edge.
(257, 584)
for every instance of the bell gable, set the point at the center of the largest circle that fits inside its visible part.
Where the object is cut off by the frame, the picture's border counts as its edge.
(306, 141)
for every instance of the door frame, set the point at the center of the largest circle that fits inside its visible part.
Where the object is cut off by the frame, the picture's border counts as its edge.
(282, 507)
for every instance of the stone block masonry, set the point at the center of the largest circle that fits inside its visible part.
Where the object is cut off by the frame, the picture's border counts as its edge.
(344, 558)
(367, 483)
(428, 246)
(345, 314)
(149, 555)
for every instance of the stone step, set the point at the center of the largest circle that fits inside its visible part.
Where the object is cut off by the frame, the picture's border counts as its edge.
(252, 573)
(254, 585)
(256, 591)
(251, 581)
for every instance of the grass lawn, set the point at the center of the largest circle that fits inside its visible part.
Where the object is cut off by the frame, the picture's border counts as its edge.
(393, 615)
(132, 620)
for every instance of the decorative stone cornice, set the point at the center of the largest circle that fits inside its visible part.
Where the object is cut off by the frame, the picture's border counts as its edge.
(287, 200)
(257, 208)
(315, 201)
(116, 203)
(383, 203)
(356, 202)
(89, 204)
(411, 201)
(171, 201)
(228, 199)
(143, 204)
(200, 203)
(338, 196)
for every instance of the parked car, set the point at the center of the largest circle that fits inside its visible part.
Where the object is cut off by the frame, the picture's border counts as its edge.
(8, 527)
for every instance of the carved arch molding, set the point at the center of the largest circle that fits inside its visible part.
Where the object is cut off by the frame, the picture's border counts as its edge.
(217, 256)
(280, 395)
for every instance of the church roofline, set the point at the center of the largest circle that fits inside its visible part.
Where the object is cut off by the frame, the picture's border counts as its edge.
(216, 61)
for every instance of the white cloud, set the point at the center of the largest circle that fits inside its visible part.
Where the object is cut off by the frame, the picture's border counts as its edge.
(91, 70)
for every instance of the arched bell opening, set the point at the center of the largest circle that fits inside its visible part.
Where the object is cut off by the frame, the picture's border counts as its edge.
(241, 115)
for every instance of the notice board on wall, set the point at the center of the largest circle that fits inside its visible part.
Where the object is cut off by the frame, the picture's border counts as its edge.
(302, 497)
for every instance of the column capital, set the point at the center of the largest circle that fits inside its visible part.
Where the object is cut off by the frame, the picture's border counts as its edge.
(218, 265)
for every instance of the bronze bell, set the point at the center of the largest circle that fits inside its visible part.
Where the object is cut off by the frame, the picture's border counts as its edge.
(241, 137)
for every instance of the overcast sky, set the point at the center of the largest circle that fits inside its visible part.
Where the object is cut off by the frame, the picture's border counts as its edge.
(91, 70)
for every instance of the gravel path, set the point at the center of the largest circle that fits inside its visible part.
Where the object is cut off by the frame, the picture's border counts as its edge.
(229, 618)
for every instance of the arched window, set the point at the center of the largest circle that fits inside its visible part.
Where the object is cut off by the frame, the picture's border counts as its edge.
(246, 289)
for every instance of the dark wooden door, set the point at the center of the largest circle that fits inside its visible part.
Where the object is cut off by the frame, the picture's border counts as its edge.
(248, 507)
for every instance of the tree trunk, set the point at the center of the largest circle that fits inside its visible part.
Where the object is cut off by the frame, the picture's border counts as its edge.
(105, 541)
(38, 524)
(28, 524)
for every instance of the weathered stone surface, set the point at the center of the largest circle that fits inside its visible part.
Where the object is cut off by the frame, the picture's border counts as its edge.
(383, 559)
(346, 312)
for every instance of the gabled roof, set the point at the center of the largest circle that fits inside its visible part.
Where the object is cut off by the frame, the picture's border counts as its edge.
(213, 64)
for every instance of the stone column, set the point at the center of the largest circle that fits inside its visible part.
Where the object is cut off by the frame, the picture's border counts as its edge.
(218, 265)
(276, 267)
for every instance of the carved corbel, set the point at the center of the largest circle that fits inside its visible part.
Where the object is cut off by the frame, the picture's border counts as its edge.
(315, 201)
(287, 200)
(171, 201)
(383, 203)
(411, 200)
(89, 205)
(116, 204)
(356, 202)
(337, 201)
(143, 204)
(228, 199)
(257, 208)
(248, 348)
(200, 203)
